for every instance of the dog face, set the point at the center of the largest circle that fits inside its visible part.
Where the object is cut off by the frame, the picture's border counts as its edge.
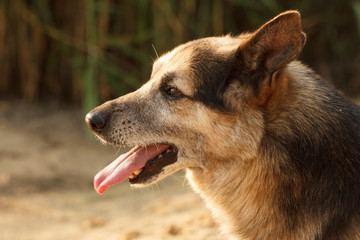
(202, 107)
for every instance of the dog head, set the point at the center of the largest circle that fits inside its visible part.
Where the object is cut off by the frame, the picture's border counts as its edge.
(203, 105)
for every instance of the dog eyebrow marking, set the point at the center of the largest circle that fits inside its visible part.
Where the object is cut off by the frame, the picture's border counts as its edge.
(167, 78)
(166, 82)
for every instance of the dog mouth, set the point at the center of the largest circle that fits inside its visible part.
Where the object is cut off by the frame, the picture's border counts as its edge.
(139, 165)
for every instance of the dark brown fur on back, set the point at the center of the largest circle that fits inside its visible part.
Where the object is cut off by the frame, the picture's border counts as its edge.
(272, 148)
(319, 175)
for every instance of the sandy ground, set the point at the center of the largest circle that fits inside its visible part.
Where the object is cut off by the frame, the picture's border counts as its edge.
(47, 164)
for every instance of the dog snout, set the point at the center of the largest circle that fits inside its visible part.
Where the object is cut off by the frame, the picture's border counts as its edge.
(97, 120)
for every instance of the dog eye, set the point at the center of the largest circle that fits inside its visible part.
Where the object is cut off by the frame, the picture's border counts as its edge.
(174, 92)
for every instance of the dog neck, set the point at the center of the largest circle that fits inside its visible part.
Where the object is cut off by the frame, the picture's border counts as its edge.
(242, 202)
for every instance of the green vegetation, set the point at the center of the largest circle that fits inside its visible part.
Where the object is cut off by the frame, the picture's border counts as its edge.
(88, 51)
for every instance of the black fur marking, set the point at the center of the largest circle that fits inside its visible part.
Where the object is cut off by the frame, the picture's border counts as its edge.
(211, 71)
(243, 72)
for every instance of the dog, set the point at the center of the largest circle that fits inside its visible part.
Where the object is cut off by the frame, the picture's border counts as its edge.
(272, 149)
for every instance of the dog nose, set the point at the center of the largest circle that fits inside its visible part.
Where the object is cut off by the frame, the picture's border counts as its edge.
(97, 120)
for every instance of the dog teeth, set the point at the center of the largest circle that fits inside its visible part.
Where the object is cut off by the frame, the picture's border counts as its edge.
(137, 172)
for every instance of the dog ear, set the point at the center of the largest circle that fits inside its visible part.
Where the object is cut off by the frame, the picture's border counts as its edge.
(270, 48)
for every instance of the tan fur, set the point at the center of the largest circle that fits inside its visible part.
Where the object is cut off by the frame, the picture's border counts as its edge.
(234, 154)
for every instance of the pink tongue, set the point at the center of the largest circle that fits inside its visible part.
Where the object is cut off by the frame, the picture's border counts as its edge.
(125, 165)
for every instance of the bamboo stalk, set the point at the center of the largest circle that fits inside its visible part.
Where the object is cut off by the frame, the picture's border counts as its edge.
(90, 93)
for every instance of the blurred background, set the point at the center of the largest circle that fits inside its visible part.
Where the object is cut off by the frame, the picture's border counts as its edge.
(84, 52)
(61, 58)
